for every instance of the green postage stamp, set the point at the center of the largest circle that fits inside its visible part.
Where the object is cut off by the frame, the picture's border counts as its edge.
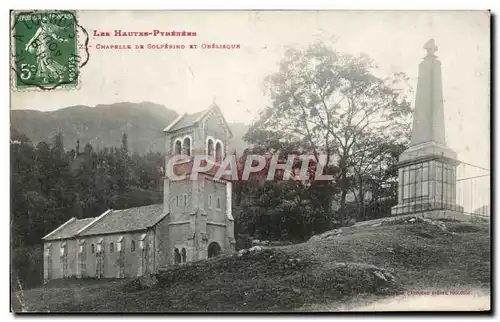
(44, 50)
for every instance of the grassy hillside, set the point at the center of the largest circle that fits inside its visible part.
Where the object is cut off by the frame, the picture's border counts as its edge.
(361, 261)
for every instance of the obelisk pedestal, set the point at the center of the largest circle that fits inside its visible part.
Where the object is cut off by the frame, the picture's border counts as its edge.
(427, 170)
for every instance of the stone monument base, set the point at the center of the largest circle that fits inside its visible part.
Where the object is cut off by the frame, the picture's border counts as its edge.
(432, 214)
(427, 150)
(424, 206)
(446, 214)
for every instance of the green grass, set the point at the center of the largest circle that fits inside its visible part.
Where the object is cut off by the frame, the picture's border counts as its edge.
(418, 256)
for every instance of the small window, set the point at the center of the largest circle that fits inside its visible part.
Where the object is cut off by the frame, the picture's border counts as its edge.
(210, 201)
(218, 203)
(185, 200)
(218, 152)
(177, 201)
(132, 246)
(178, 147)
(63, 249)
(210, 147)
(186, 146)
(92, 248)
(177, 256)
(111, 247)
(184, 255)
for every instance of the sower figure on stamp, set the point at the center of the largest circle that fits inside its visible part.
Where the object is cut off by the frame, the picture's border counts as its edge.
(47, 68)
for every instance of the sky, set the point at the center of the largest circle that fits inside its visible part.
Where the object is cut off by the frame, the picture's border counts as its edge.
(189, 81)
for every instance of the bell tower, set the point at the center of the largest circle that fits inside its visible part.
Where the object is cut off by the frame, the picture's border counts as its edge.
(199, 205)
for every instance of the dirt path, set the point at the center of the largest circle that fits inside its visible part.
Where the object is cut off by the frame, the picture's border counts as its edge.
(474, 300)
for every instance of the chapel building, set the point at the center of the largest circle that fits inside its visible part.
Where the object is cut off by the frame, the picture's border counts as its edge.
(194, 222)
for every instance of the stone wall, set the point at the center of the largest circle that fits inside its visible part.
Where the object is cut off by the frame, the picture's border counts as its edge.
(52, 256)
(124, 261)
(215, 192)
(181, 235)
(162, 244)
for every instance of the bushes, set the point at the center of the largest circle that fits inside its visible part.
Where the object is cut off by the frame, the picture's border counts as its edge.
(27, 266)
(243, 241)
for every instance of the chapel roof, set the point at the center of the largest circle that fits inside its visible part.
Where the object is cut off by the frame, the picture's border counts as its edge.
(124, 220)
(68, 229)
(186, 120)
(111, 221)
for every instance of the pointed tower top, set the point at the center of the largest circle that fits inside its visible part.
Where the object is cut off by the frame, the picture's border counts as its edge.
(431, 47)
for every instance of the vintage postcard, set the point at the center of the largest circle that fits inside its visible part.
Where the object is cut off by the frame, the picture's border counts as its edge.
(250, 161)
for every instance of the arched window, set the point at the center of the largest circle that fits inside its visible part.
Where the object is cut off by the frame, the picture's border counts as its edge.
(111, 247)
(184, 255)
(178, 147)
(177, 256)
(132, 246)
(218, 152)
(185, 200)
(186, 146)
(92, 248)
(210, 147)
(218, 203)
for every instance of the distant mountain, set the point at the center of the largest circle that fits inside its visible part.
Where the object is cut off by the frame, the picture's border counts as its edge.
(104, 125)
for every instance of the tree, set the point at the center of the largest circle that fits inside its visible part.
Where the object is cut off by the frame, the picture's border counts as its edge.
(332, 103)
(88, 149)
(373, 172)
(58, 145)
(279, 209)
(124, 147)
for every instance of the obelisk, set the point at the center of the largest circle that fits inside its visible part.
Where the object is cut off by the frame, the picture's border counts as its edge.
(427, 180)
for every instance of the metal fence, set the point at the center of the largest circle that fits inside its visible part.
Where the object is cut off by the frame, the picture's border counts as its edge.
(380, 193)
(474, 189)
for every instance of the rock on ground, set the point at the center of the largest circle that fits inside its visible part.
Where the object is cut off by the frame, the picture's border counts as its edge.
(327, 235)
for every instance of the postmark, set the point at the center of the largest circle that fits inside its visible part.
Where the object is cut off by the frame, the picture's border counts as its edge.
(45, 51)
